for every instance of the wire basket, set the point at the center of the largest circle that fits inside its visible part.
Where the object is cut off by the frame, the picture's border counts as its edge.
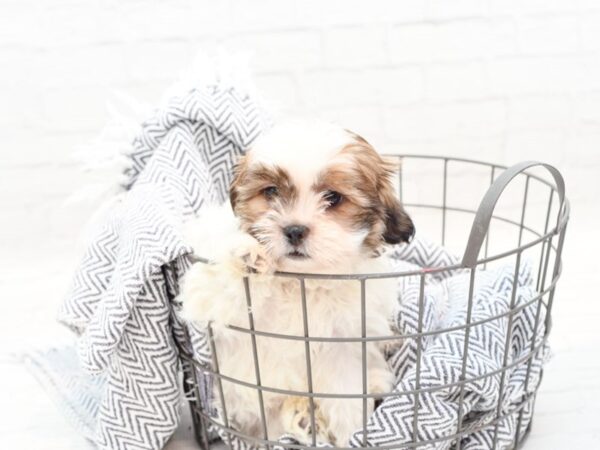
(529, 220)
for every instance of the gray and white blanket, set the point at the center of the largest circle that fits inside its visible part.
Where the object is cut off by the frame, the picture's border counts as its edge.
(495, 339)
(122, 300)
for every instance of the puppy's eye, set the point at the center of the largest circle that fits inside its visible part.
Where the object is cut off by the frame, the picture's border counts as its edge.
(332, 198)
(270, 192)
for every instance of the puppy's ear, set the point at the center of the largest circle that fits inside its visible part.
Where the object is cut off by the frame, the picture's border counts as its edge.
(398, 225)
(377, 174)
(239, 172)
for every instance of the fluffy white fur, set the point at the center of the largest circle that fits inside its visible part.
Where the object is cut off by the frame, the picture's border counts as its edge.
(215, 293)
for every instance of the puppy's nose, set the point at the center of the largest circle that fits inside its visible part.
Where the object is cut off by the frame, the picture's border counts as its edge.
(295, 233)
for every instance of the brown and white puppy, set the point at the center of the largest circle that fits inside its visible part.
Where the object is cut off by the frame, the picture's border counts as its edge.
(308, 197)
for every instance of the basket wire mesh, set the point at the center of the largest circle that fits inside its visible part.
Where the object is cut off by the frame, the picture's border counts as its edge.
(549, 208)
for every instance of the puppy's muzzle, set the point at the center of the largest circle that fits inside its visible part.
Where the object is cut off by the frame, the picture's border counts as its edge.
(295, 234)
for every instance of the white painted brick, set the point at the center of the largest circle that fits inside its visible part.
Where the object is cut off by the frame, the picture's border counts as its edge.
(290, 50)
(545, 74)
(157, 60)
(333, 12)
(334, 88)
(456, 81)
(412, 43)
(79, 24)
(540, 112)
(397, 86)
(590, 31)
(14, 20)
(260, 15)
(452, 41)
(469, 119)
(104, 22)
(398, 11)
(173, 20)
(355, 46)
(487, 148)
(85, 65)
(548, 35)
(503, 37)
(67, 108)
(502, 7)
(33, 148)
(457, 9)
(587, 109)
(406, 123)
(19, 106)
(365, 121)
(582, 150)
(542, 145)
(589, 67)
(582, 184)
(357, 12)
(279, 90)
(35, 226)
(587, 5)
(38, 184)
(144, 95)
(20, 68)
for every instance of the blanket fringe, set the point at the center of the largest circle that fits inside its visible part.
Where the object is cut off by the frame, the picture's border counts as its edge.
(107, 158)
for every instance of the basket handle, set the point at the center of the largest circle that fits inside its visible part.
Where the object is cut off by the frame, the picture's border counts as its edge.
(482, 219)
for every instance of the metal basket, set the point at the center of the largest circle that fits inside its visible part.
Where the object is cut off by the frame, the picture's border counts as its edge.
(538, 226)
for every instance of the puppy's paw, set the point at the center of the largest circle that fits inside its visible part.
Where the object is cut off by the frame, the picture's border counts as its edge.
(389, 347)
(200, 286)
(297, 421)
(381, 381)
(250, 256)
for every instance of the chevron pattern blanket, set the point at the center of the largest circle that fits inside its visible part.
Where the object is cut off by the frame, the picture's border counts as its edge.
(490, 344)
(122, 301)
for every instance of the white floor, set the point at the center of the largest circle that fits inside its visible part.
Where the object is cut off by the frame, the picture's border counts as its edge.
(568, 406)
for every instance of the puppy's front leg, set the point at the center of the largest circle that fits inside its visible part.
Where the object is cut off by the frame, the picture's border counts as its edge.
(214, 291)
(217, 236)
(380, 378)
(249, 255)
(209, 293)
(339, 370)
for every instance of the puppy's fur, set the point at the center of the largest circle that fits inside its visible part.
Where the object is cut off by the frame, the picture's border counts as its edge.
(308, 197)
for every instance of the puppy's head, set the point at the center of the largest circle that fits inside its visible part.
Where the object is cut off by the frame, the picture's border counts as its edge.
(317, 197)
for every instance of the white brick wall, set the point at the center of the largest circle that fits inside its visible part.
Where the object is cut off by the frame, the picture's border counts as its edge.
(501, 80)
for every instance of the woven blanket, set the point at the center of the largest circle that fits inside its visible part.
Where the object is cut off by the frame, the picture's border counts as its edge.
(495, 339)
(120, 302)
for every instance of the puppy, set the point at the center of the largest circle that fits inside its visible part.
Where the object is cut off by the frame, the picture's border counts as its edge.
(309, 197)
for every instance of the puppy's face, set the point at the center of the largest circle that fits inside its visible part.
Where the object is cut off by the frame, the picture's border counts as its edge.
(317, 197)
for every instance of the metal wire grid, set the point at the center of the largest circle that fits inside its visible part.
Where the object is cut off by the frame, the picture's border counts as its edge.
(549, 241)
